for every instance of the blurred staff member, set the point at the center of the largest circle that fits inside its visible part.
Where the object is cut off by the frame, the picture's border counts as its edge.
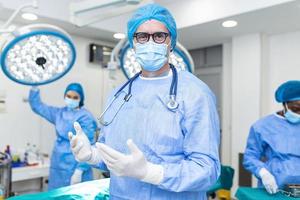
(276, 139)
(64, 169)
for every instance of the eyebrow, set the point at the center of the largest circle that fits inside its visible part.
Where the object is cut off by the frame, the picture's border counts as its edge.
(69, 95)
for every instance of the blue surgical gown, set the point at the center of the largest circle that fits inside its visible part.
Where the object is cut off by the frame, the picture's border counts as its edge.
(63, 163)
(274, 144)
(185, 142)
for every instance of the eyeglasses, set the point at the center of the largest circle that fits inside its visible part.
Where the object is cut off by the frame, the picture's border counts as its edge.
(157, 37)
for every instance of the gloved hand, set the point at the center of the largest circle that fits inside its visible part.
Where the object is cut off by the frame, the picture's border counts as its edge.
(133, 165)
(76, 177)
(268, 181)
(81, 147)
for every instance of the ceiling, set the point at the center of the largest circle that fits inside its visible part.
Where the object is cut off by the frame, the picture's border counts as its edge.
(200, 31)
(272, 20)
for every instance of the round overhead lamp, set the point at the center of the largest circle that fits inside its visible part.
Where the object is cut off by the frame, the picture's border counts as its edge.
(37, 54)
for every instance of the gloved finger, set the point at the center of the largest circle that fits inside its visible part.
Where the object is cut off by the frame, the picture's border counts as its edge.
(108, 165)
(70, 135)
(77, 128)
(73, 141)
(132, 147)
(110, 151)
(274, 189)
(114, 170)
(117, 173)
(77, 147)
(268, 188)
(107, 157)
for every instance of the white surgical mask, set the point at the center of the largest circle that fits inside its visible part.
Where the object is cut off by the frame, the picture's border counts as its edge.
(71, 103)
(151, 56)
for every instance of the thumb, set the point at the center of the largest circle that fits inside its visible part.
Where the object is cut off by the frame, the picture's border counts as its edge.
(77, 128)
(70, 134)
(132, 147)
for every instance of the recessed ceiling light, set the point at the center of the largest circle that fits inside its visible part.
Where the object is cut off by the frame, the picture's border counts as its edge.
(119, 36)
(229, 23)
(29, 16)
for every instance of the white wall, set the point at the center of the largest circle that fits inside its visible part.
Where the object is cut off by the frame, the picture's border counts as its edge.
(226, 104)
(246, 63)
(284, 63)
(19, 125)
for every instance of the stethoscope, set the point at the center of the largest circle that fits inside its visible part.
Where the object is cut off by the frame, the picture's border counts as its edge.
(172, 104)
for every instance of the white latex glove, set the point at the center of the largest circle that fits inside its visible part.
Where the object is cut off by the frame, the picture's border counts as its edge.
(268, 181)
(133, 165)
(81, 147)
(76, 177)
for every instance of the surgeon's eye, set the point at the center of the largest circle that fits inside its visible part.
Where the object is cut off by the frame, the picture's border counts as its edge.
(295, 107)
(72, 97)
(142, 37)
(160, 37)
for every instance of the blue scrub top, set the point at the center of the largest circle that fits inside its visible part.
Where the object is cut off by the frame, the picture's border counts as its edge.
(278, 142)
(185, 142)
(63, 163)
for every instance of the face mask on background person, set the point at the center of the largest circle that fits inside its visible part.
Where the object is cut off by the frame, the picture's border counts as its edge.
(71, 103)
(292, 117)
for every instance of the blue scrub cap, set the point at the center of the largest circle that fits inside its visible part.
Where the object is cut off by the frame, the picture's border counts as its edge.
(152, 11)
(288, 91)
(77, 88)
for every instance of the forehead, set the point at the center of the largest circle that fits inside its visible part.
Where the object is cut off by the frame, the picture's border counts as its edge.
(152, 26)
(72, 93)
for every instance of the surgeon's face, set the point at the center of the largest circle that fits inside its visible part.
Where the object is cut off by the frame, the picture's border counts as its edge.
(153, 26)
(294, 106)
(72, 95)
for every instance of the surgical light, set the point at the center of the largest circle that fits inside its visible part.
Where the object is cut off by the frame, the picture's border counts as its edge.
(35, 54)
(38, 54)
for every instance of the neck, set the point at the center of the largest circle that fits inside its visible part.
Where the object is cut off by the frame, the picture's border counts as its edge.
(281, 113)
(161, 72)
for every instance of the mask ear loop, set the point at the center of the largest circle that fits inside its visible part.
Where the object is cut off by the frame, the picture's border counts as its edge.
(168, 54)
(285, 107)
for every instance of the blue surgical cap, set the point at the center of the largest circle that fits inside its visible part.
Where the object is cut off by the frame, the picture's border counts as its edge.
(152, 11)
(77, 88)
(288, 91)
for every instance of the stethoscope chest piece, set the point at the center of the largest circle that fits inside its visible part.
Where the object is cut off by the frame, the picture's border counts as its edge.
(172, 104)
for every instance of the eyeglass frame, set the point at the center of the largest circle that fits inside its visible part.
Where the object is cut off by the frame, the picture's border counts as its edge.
(152, 35)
